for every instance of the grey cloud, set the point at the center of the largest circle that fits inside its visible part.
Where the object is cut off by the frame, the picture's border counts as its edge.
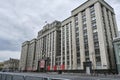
(5, 55)
(8, 45)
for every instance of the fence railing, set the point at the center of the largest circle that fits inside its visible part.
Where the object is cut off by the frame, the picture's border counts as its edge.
(10, 76)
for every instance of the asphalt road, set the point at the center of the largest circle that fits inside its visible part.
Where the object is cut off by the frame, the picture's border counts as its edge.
(53, 76)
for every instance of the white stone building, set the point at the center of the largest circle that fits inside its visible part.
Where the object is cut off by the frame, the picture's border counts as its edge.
(84, 40)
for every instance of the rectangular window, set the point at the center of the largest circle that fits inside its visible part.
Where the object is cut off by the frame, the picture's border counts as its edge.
(97, 51)
(87, 59)
(86, 53)
(78, 61)
(96, 44)
(98, 59)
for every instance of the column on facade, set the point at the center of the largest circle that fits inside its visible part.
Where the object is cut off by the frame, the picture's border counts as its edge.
(61, 46)
(46, 51)
(40, 48)
(49, 50)
(48, 45)
(101, 37)
(36, 55)
(70, 53)
(82, 50)
(54, 43)
(90, 39)
(65, 48)
(74, 45)
(51, 66)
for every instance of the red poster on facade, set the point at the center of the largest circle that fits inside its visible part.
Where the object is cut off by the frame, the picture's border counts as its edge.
(48, 68)
(42, 63)
(55, 67)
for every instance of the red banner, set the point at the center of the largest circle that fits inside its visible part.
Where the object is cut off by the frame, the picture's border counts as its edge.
(48, 68)
(55, 67)
(42, 63)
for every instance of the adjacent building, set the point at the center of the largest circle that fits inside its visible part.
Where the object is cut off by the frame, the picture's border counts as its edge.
(116, 43)
(82, 42)
(119, 33)
(11, 65)
(1, 65)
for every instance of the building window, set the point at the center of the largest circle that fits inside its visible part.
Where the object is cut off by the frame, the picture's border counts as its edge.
(78, 61)
(86, 53)
(97, 51)
(96, 44)
(87, 59)
(98, 59)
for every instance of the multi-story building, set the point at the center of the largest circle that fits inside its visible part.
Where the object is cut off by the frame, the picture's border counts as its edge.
(93, 29)
(1, 65)
(23, 58)
(116, 43)
(48, 44)
(119, 33)
(27, 61)
(81, 42)
(11, 65)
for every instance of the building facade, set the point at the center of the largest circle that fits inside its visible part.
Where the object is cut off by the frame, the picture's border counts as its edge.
(81, 42)
(90, 40)
(1, 65)
(11, 65)
(48, 44)
(116, 43)
(119, 33)
(27, 61)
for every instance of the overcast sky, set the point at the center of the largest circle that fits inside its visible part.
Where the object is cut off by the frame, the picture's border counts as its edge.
(20, 20)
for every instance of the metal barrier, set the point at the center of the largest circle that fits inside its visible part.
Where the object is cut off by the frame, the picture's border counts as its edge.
(7, 76)
(34, 78)
(0, 76)
(3, 77)
(18, 77)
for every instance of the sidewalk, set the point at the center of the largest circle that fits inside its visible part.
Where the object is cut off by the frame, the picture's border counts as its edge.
(93, 75)
(84, 76)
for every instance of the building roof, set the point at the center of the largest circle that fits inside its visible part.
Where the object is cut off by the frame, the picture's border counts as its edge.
(89, 3)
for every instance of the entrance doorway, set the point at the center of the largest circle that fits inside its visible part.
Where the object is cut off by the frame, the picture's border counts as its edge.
(88, 67)
(88, 70)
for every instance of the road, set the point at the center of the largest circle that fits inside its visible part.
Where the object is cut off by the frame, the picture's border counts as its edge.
(51, 76)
